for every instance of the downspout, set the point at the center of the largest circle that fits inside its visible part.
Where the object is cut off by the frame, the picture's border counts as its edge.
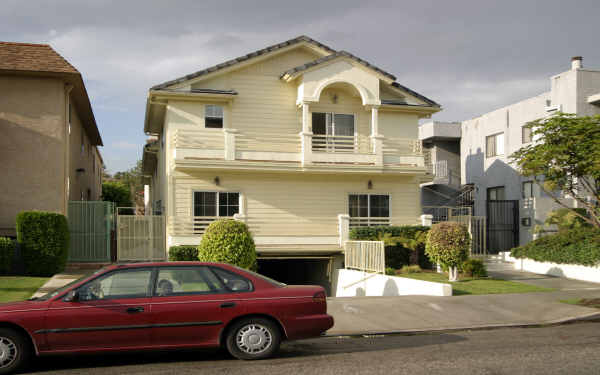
(67, 161)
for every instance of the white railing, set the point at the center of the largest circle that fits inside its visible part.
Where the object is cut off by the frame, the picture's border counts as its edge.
(402, 146)
(369, 221)
(190, 225)
(201, 139)
(267, 142)
(340, 143)
(368, 256)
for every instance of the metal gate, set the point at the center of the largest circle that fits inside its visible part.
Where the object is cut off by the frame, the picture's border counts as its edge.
(90, 225)
(140, 238)
(502, 225)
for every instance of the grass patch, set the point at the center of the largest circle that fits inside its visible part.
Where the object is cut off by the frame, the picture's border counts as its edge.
(467, 285)
(585, 302)
(19, 288)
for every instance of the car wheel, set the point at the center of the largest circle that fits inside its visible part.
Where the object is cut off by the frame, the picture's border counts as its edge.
(14, 351)
(253, 338)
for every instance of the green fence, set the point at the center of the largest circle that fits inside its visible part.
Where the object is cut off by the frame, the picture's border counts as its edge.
(90, 225)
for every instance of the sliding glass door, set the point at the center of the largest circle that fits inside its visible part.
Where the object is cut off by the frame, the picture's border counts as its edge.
(333, 132)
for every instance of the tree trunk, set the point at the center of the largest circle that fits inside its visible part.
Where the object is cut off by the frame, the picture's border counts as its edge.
(452, 273)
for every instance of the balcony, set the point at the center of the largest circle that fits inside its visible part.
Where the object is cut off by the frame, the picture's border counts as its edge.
(201, 146)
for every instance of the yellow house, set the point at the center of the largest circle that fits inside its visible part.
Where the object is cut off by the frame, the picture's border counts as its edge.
(298, 140)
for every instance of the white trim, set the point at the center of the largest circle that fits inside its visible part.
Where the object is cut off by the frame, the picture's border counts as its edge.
(192, 206)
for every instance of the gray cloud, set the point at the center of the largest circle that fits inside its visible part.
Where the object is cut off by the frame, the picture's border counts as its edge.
(470, 56)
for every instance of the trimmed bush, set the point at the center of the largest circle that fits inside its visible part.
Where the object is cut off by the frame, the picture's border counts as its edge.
(228, 241)
(7, 250)
(577, 246)
(397, 252)
(44, 239)
(390, 271)
(410, 269)
(183, 253)
(448, 244)
(474, 268)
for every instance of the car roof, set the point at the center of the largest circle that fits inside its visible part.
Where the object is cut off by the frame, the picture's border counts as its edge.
(163, 264)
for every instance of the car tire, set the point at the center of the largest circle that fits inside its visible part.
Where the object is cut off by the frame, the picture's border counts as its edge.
(15, 351)
(253, 338)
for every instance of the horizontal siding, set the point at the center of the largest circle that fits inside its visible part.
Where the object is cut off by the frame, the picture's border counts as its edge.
(308, 205)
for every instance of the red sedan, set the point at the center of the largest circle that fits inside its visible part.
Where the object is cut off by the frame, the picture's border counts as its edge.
(161, 306)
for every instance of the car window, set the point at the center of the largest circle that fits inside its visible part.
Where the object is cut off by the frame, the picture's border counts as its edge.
(118, 284)
(187, 280)
(233, 281)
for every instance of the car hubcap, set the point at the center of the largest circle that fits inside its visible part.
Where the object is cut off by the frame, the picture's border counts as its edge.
(8, 352)
(253, 339)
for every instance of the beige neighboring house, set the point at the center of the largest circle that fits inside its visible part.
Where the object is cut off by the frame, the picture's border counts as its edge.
(49, 144)
(298, 140)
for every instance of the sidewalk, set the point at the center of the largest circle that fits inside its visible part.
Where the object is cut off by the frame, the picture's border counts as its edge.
(413, 314)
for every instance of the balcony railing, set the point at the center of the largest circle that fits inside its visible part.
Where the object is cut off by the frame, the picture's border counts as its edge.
(307, 148)
(368, 221)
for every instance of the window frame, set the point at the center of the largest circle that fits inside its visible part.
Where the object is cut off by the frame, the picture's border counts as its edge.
(530, 189)
(495, 188)
(252, 287)
(389, 195)
(523, 129)
(218, 192)
(488, 153)
(206, 116)
(225, 289)
(149, 289)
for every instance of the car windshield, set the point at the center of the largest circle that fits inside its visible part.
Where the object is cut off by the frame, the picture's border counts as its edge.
(63, 288)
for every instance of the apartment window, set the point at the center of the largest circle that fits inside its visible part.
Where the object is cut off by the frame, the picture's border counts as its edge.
(526, 134)
(494, 145)
(496, 193)
(369, 209)
(210, 203)
(527, 189)
(213, 116)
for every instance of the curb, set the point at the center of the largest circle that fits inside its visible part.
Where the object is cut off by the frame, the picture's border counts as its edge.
(595, 316)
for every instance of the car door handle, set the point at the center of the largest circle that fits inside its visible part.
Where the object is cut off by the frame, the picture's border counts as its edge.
(228, 304)
(134, 310)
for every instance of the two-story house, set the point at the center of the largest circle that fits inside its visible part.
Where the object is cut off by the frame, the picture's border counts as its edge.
(298, 140)
(49, 144)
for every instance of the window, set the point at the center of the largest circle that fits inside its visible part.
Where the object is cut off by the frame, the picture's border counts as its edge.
(233, 281)
(115, 285)
(526, 134)
(187, 280)
(369, 209)
(527, 189)
(495, 193)
(494, 145)
(213, 116)
(210, 203)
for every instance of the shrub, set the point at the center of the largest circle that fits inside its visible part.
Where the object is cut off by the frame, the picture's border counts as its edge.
(474, 268)
(44, 238)
(390, 271)
(228, 241)
(183, 253)
(410, 269)
(565, 219)
(116, 192)
(399, 242)
(448, 244)
(576, 246)
(7, 250)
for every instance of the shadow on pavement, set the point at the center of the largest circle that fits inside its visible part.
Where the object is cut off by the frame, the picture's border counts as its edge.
(289, 350)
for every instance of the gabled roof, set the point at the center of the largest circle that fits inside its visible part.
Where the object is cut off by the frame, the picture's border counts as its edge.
(240, 59)
(414, 93)
(335, 56)
(43, 60)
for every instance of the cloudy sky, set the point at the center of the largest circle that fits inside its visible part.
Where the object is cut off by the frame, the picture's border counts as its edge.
(470, 56)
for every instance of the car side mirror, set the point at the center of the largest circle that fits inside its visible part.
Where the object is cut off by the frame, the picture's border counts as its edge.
(72, 296)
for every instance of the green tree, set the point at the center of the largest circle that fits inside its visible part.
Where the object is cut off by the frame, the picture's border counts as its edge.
(116, 192)
(132, 178)
(228, 241)
(565, 158)
(448, 244)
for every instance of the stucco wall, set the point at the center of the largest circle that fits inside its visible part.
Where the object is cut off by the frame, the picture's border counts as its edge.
(31, 147)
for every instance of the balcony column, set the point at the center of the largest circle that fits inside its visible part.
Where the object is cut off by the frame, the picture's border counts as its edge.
(229, 143)
(306, 135)
(376, 139)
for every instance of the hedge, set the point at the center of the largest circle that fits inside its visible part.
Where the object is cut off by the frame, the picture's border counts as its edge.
(395, 256)
(7, 250)
(228, 241)
(577, 246)
(44, 239)
(183, 253)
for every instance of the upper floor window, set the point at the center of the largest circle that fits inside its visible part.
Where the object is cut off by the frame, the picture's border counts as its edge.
(496, 193)
(494, 145)
(211, 203)
(213, 116)
(527, 189)
(526, 134)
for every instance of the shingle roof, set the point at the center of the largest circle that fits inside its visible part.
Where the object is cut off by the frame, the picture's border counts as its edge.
(414, 93)
(334, 56)
(33, 58)
(240, 59)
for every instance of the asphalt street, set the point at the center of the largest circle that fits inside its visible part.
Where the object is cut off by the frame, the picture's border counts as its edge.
(565, 349)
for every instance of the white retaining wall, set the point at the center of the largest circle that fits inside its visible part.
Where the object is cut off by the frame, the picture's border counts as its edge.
(570, 271)
(351, 283)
